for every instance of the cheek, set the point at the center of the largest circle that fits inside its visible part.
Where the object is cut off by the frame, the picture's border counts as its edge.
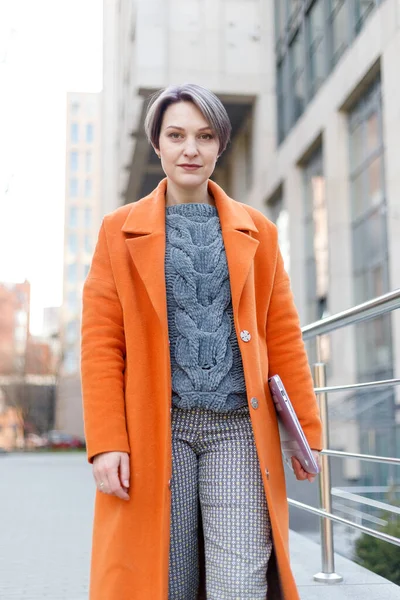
(168, 152)
(211, 154)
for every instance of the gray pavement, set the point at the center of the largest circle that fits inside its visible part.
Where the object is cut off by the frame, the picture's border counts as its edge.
(46, 511)
(46, 507)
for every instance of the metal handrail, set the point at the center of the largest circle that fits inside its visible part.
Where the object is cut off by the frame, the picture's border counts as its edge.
(368, 310)
(325, 515)
(368, 457)
(357, 314)
(384, 506)
(370, 385)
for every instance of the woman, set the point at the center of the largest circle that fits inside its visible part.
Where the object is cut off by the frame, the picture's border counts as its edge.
(187, 310)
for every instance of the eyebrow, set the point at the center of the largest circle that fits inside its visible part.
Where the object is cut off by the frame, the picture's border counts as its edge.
(182, 129)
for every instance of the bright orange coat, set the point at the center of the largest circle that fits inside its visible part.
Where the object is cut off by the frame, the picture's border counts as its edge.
(127, 383)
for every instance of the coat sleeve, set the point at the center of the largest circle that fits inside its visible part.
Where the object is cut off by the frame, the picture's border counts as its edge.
(103, 357)
(288, 358)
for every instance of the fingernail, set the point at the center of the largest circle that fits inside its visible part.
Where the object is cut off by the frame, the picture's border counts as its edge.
(126, 483)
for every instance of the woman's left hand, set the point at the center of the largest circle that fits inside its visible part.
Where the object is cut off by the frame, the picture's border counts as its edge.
(300, 473)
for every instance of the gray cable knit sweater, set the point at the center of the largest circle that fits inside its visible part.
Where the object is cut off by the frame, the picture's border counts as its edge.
(206, 364)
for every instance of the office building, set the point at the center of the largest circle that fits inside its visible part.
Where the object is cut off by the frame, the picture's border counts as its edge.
(82, 220)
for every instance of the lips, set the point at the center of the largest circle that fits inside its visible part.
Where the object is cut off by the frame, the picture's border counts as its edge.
(189, 167)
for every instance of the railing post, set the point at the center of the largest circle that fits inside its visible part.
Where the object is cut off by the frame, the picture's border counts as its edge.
(327, 575)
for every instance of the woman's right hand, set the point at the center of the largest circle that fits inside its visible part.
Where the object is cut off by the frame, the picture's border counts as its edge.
(111, 473)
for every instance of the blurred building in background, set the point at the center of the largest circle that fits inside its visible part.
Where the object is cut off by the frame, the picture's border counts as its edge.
(14, 326)
(313, 93)
(51, 333)
(28, 368)
(82, 221)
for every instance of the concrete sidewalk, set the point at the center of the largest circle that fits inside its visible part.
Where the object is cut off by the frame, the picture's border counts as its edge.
(46, 508)
(358, 583)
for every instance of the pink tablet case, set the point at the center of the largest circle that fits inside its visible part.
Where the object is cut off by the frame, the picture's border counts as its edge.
(293, 440)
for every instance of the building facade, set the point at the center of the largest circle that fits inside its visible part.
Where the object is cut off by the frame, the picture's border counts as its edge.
(334, 171)
(14, 327)
(312, 91)
(82, 220)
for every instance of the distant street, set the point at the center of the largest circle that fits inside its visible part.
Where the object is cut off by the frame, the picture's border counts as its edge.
(46, 507)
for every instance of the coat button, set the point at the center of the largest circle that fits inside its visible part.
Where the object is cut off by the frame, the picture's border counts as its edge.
(254, 403)
(267, 473)
(245, 335)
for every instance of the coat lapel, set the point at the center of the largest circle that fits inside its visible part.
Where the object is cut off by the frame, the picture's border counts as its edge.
(146, 243)
(146, 221)
(240, 246)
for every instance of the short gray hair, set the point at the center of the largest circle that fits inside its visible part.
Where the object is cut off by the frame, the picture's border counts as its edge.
(206, 101)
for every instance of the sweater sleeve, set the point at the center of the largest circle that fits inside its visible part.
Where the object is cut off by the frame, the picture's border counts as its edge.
(103, 357)
(288, 358)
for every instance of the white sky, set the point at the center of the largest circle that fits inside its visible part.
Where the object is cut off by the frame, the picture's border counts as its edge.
(47, 47)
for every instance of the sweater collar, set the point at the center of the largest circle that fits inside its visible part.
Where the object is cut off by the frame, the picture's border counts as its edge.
(148, 214)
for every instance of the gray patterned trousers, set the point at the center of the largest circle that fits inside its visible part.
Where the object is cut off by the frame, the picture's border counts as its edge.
(214, 460)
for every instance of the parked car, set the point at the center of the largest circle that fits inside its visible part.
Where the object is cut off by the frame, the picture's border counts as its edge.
(59, 439)
(33, 441)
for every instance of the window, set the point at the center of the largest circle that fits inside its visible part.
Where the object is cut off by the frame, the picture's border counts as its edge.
(70, 361)
(297, 75)
(72, 273)
(89, 161)
(89, 133)
(280, 19)
(73, 160)
(88, 217)
(88, 244)
(73, 216)
(316, 227)
(374, 347)
(315, 22)
(293, 9)
(72, 331)
(72, 243)
(283, 99)
(363, 9)
(74, 107)
(369, 231)
(311, 37)
(73, 187)
(340, 33)
(316, 251)
(74, 133)
(72, 301)
(88, 188)
(280, 216)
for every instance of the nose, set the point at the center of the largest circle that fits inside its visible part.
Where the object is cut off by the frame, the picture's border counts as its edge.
(190, 148)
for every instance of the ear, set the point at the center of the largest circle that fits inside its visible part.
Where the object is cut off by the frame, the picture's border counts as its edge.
(157, 151)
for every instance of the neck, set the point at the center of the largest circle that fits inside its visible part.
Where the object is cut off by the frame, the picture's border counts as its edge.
(176, 195)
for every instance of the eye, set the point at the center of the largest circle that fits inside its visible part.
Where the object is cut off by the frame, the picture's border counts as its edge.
(207, 136)
(174, 135)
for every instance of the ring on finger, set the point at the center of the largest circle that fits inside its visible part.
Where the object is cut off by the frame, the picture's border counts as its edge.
(101, 485)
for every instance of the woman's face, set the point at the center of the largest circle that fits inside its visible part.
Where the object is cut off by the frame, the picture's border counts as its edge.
(188, 146)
